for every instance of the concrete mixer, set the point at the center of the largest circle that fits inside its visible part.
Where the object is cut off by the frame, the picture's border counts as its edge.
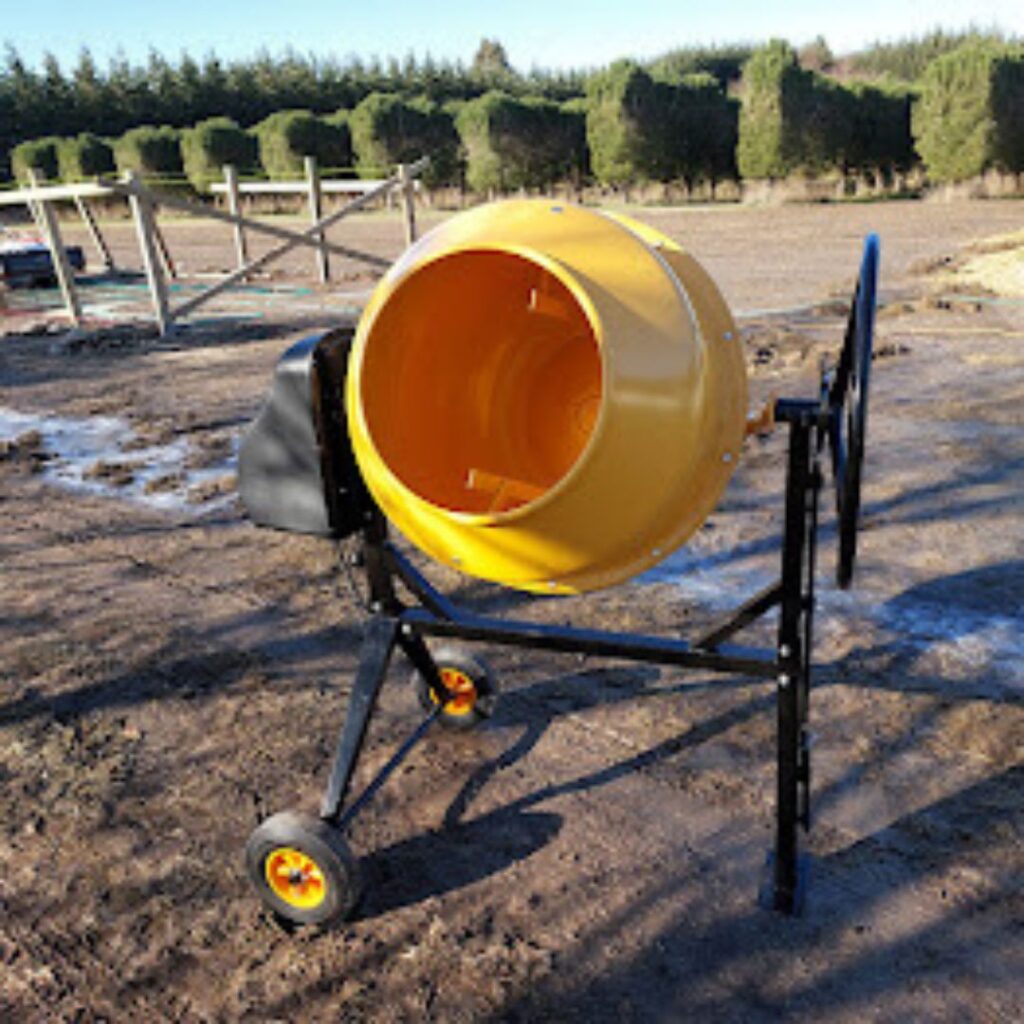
(550, 398)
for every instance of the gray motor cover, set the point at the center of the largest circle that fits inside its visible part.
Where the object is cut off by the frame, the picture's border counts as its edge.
(279, 464)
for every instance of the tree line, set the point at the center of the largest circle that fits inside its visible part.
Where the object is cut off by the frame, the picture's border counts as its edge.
(698, 115)
(107, 102)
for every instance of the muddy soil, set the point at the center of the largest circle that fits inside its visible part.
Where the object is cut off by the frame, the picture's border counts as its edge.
(594, 851)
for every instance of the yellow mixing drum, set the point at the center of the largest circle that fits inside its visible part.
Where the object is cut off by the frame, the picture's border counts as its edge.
(546, 396)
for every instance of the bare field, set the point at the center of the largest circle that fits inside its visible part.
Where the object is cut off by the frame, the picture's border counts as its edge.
(171, 674)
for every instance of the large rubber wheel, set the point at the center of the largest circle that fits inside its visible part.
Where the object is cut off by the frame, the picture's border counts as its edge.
(848, 399)
(302, 869)
(469, 678)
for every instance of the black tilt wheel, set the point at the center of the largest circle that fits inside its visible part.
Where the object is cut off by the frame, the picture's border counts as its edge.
(471, 682)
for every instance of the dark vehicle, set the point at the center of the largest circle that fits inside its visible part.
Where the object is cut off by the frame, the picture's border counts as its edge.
(26, 262)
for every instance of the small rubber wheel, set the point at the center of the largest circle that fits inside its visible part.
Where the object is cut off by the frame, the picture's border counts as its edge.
(302, 869)
(469, 678)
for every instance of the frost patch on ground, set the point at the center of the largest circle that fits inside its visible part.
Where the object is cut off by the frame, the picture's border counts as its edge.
(714, 579)
(957, 639)
(102, 455)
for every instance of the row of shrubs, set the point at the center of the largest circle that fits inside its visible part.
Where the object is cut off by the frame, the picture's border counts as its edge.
(495, 142)
(966, 115)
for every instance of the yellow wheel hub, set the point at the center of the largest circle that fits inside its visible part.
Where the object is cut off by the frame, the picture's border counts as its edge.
(295, 877)
(462, 686)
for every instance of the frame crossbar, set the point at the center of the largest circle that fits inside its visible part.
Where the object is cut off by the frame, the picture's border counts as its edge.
(395, 624)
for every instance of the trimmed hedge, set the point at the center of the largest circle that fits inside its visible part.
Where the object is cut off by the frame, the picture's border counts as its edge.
(576, 130)
(338, 122)
(36, 154)
(763, 149)
(628, 131)
(791, 120)
(704, 126)
(389, 130)
(970, 116)
(881, 140)
(652, 129)
(84, 156)
(512, 143)
(440, 143)
(794, 120)
(1008, 111)
(210, 144)
(151, 151)
(287, 137)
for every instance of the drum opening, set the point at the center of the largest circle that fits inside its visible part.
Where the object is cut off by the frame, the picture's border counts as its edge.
(481, 381)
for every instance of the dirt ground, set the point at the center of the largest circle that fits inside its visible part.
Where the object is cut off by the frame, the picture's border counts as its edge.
(169, 676)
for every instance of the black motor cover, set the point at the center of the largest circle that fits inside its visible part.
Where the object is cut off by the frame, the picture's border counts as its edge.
(296, 470)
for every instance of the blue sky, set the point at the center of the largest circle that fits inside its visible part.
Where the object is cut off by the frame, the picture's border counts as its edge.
(570, 34)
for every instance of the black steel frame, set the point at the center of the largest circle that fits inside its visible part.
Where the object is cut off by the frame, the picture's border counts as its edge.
(394, 623)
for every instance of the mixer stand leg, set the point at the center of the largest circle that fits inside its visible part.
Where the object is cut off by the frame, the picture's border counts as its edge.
(374, 658)
(785, 883)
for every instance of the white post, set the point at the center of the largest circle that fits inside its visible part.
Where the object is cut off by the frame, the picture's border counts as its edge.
(94, 232)
(33, 206)
(408, 186)
(58, 254)
(163, 252)
(142, 212)
(235, 209)
(316, 214)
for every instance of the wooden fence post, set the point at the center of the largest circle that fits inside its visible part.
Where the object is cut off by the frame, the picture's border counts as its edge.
(58, 254)
(408, 186)
(33, 206)
(170, 270)
(235, 209)
(142, 212)
(94, 233)
(316, 214)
